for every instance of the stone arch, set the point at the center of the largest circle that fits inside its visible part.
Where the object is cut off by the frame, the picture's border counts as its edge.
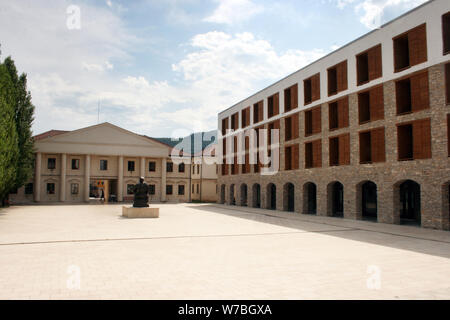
(256, 195)
(335, 197)
(310, 198)
(367, 200)
(243, 195)
(407, 202)
(289, 197)
(271, 198)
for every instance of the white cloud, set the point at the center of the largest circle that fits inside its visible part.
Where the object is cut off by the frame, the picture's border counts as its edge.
(372, 11)
(233, 11)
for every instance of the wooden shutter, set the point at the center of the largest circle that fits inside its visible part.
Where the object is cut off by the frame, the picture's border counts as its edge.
(378, 145)
(295, 157)
(422, 139)
(341, 71)
(343, 113)
(260, 111)
(276, 104)
(316, 120)
(419, 92)
(317, 153)
(344, 149)
(315, 87)
(288, 158)
(417, 41)
(375, 64)
(294, 126)
(287, 128)
(376, 97)
(294, 96)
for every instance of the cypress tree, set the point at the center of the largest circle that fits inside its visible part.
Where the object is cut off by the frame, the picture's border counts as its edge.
(9, 151)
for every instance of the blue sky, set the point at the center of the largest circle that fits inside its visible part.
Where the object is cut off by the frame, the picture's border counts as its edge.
(166, 68)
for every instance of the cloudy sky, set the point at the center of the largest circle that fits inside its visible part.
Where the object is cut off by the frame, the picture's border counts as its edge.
(167, 67)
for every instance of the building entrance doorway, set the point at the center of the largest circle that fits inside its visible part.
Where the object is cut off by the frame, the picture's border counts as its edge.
(369, 200)
(410, 202)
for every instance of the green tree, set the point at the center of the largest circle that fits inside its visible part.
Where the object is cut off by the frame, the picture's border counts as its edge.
(9, 151)
(23, 117)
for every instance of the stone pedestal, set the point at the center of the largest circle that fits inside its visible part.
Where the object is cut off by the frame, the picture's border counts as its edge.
(131, 212)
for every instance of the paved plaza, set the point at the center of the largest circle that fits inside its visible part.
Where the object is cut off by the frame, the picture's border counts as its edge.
(208, 251)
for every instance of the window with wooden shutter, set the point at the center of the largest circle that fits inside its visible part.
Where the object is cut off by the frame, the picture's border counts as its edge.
(316, 120)
(422, 139)
(308, 123)
(295, 156)
(338, 114)
(337, 78)
(258, 114)
(419, 92)
(273, 105)
(234, 121)
(410, 48)
(375, 63)
(245, 117)
(291, 98)
(405, 142)
(344, 149)
(295, 126)
(446, 32)
(313, 154)
(288, 158)
(376, 103)
(287, 128)
(365, 147)
(333, 149)
(378, 145)
(403, 96)
(311, 88)
(224, 126)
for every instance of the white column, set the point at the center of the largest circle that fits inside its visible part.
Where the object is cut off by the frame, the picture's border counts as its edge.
(37, 177)
(142, 167)
(163, 178)
(120, 180)
(62, 189)
(87, 177)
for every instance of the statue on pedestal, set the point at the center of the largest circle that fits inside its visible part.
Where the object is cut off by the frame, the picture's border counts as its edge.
(140, 191)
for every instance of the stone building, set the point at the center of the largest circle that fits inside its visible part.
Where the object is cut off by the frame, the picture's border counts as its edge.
(364, 131)
(77, 166)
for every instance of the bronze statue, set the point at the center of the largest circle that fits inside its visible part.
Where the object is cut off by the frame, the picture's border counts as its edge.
(140, 191)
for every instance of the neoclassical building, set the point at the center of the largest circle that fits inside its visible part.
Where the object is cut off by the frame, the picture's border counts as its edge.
(80, 165)
(364, 131)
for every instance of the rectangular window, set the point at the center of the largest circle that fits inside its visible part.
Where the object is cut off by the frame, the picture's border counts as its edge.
(410, 48)
(198, 188)
(169, 167)
(151, 189)
(338, 114)
(258, 112)
(181, 167)
(169, 189)
(412, 94)
(245, 117)
(291, 157)
(288, 129)
(446, 32)
(103, 165)
(224, 126)
(273, 105)
(337, 78)
(51, 163)
(130, 189)
(313, 154)
(152, 166)
(130, 166)
(340, 150)
(313, 121)
(29, 188)
(234, 121)
(75, 164)
(181, 190)
(288, 158)
(371, 105)
(365, 148)
(311, 88)
(74, 188)
(414, 140)
(291, 98)
(369, 65)
(50, 188)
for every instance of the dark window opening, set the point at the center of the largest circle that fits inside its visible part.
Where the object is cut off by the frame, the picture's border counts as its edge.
(337, 200)
(311, 203)
(255, 113)
(369, 201)
(362, 64)
(152, 166)
(287, 128)
(308, 122)
(181, 190)
(334, 151)
(401, 53)
(447, 82)
(365, 147)
(287, 100)
(288, 158)
(333, 115)
(50, 188)
(405, 142)
(270, 107)
(309, 155)
(29, 188)
(364, 107)
(224, 126)
(75, 164)
(403, 96)
(169, 167)
(181, 167)
(130, 189)
(410, 203)
(332, 81)
(169, 189)
(151, 189)
(307, 90)
(446, 32)
(130, 166)
(51, 163)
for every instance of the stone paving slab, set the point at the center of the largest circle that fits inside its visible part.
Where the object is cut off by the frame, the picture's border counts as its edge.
(212, 252)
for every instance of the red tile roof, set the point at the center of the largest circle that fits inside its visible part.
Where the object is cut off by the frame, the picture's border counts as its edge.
(48, 134)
